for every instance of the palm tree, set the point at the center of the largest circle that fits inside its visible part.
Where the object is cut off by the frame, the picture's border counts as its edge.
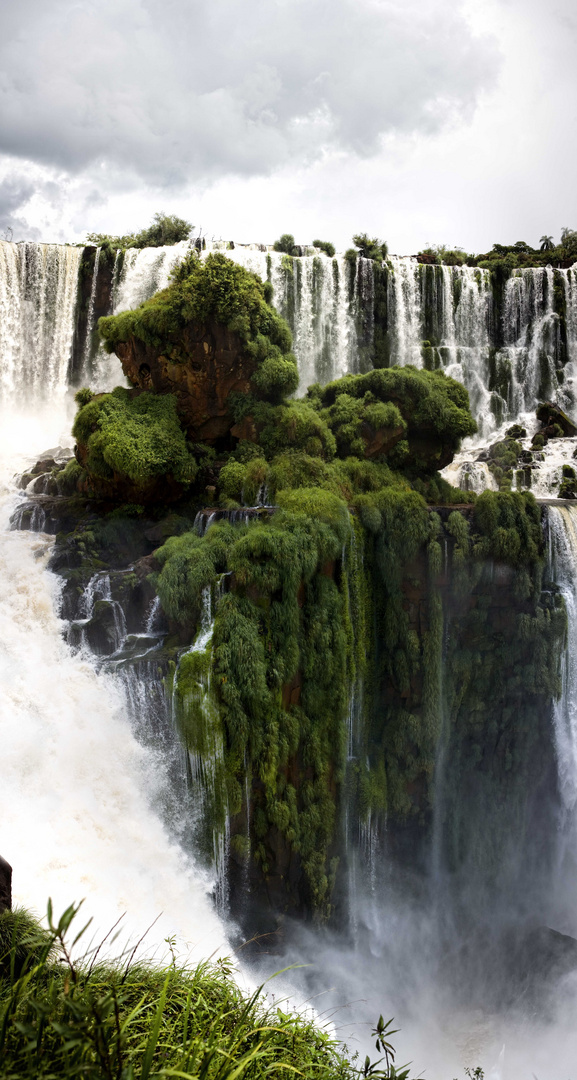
(546, 243)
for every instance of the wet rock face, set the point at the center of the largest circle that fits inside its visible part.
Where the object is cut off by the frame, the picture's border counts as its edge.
(5, 885)
(205, 365)
(551, 415)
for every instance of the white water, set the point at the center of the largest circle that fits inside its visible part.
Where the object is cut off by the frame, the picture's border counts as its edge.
(38, 291)
(563, 539)
(144, 272)
(80, 798)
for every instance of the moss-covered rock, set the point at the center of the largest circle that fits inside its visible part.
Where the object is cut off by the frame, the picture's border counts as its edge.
(431, 407)
(132, 447)
(209, 335)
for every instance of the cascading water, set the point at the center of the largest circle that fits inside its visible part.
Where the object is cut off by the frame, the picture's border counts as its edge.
(563, 554)
(38, 290)
(204, 741)
(82, 802)
(145, 271)
(437, 316)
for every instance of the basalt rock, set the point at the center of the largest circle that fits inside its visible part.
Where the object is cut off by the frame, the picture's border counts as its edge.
(551, 415)
(203, 367)
(5, 885)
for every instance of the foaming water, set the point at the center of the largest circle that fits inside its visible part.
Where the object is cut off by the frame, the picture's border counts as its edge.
(78, 792)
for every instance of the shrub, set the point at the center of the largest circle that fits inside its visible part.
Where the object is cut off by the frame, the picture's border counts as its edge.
(286, 244)
(83, 396)
(165, 230)
(325, 245)
(370, 248)
(430, 404)
(138, 438)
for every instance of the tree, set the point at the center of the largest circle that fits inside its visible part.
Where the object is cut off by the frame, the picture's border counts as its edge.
(569, 240)
(546, 243)
(370, 248)
(285, 243)
(166, 229)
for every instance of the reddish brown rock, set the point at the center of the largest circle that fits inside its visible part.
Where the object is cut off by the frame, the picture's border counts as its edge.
(380, 440)
(205, 365)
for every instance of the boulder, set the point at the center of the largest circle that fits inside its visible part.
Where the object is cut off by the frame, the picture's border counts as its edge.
(549, 415)
(203, 368)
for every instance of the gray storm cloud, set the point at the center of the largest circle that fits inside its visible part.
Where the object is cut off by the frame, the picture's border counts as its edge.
(173, 91)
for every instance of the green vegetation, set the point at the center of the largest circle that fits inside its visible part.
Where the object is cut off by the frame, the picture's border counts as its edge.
(135, 438)
(286, 244)
(334, 606)
(220, 291)
(166, 229)
(367, 248)
(506, 257)
(325, 245)
(434, 408)
(61, 1017)
(440, 254)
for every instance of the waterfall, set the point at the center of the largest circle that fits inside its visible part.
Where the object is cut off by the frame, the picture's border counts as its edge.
(405, 318)
(563, 550)
(320, 302)
(83, 800)
(196, 714)
(508, 357)
(528, 362)
(88, 344)
(145, 271)
(38, 291)
(78, 792)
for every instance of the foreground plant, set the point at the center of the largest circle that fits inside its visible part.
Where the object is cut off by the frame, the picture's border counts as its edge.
(129, 1020)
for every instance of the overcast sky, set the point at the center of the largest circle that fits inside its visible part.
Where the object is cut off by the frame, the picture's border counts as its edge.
(420, 121)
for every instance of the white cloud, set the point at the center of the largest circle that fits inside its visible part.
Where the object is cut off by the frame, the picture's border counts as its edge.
(195, 89)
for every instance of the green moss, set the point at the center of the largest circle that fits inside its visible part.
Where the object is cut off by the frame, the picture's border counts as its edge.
(137, 438)
(350, 417)
(430, 404)
(294, 426)
(215, 290)
(507, 528)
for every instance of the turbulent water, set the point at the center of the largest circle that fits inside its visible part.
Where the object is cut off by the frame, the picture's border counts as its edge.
(80, 798)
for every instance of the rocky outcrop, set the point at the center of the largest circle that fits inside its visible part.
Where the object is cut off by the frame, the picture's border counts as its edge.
(551, 417)
(202, 368)
(5, 885)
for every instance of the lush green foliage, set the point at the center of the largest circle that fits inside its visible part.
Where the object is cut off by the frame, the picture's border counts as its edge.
(118, 1020)
(138, 438)
(369, 247)
(286, 244)
(507, 257)
(326, 246)
(267, 634)
(430, 404)
(166, 229)
(204, 292)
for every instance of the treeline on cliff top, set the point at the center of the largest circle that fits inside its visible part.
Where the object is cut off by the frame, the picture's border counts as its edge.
(167, 229)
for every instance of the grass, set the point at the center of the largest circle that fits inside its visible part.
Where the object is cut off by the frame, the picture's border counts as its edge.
(128, 1020)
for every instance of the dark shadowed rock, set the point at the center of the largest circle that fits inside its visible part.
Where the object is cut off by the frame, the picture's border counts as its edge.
(549, 415)
(5, 885)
